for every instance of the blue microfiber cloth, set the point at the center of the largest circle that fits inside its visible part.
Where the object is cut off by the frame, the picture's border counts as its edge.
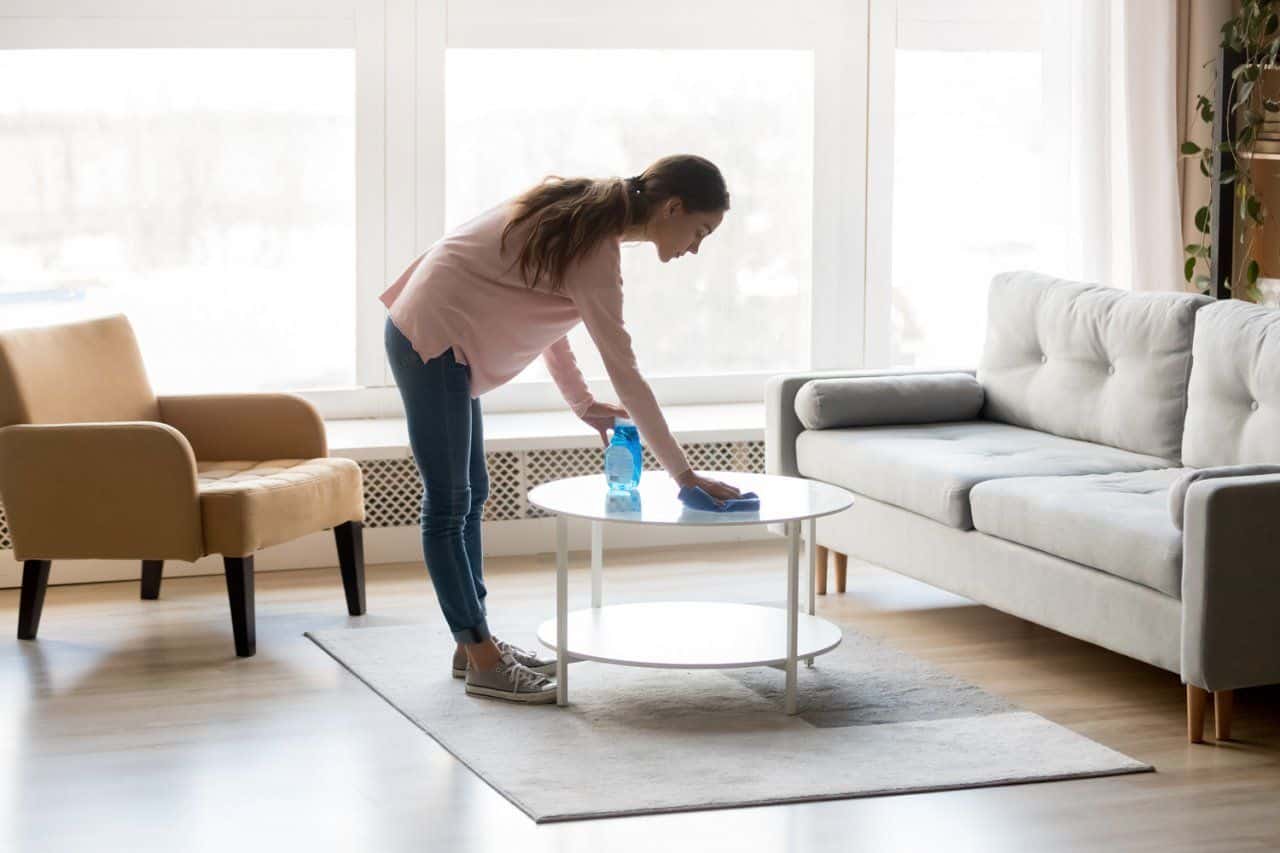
(695, 497)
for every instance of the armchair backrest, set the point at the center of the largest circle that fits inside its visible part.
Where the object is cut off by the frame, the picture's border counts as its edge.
(89, 370)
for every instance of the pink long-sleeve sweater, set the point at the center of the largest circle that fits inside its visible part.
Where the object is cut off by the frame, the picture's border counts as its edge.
(466, 293)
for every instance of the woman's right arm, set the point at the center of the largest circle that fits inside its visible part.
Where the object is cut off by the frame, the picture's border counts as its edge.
(596, 288)
(598, 295)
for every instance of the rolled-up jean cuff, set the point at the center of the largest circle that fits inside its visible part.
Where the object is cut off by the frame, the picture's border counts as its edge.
(474, 634)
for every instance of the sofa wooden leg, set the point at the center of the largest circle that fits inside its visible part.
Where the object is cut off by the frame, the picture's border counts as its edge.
(240, 593)
(1223, 706)
(35, 580)
(842, 565)
(1196, 697)
(350, 541)
(152, 572)
(822, 569)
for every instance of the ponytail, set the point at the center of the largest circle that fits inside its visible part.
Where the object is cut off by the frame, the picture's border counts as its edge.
(569, 216)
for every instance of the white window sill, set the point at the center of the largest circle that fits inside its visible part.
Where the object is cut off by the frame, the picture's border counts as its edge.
(388, 438)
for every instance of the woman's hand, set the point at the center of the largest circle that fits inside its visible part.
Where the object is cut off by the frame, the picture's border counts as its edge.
(718, 490)
(600, 418)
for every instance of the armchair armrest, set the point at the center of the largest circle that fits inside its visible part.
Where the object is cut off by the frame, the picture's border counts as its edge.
(247, 426)
(1230, 583)
(123, 490)
(782, 424)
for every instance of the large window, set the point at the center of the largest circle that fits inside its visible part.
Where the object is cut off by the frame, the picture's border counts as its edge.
(206, 193)
(243, 180)
(966, 193)
(957, 166)
(743, 303)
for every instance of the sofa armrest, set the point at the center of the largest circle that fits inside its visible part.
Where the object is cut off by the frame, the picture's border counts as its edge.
(125, 490)
(247, 426)
(782, 424)
(1178, 491)
(1230, 585)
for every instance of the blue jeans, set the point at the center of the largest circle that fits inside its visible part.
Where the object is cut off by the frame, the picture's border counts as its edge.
(446, 434)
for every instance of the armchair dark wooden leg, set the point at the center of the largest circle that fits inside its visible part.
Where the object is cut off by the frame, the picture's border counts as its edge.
(152, 571)
(350, 541)
(35, 580)
(240, 593)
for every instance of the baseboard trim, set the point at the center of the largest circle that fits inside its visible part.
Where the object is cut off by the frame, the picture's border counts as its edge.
(396, 545)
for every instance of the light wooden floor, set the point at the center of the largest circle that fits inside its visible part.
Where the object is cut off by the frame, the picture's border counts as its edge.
(131, 725)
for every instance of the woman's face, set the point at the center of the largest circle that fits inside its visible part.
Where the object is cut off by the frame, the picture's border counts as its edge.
(675, 230)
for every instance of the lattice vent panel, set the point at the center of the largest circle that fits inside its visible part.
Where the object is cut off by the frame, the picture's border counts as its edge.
(393, 488)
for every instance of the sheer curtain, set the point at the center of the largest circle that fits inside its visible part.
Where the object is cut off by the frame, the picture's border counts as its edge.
(1115, 83)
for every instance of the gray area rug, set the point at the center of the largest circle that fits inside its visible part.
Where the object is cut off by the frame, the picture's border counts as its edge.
(872, 721)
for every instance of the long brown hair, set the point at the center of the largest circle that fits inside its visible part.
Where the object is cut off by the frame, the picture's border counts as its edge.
(569, 216)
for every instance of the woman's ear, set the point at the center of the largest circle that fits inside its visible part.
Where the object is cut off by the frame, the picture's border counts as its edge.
(673, 206)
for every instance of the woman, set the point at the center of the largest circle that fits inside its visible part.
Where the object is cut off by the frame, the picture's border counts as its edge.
(480, 305)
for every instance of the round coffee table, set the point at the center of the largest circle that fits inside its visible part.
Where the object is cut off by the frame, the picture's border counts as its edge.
(687, 634)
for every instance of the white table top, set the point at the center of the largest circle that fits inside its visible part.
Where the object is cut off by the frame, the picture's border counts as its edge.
(657, 500)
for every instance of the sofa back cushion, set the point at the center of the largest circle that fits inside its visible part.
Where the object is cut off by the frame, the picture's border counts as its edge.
(1089, 362)
(1233, 411)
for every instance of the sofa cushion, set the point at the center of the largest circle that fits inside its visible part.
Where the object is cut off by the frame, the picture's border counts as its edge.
(249, 505)
(1233, 411)
(1116, 523)
(877, 400)
(930, 468)
(1089, 362)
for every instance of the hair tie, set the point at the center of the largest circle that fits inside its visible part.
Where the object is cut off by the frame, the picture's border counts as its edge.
(637, 181)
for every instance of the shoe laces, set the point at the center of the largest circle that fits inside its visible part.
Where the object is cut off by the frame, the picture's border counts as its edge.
(511, 649)
(521, 675)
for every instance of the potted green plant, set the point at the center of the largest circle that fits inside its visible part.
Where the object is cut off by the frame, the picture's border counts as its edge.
(1253, 109)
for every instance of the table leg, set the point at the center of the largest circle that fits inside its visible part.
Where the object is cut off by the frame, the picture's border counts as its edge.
(812, 554)
(793, 617)
(562, 610)
(597, 559)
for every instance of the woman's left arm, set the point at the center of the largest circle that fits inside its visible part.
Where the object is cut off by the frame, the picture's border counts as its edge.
(563, 367)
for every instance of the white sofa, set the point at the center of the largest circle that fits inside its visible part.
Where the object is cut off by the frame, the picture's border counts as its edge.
(1106, 471)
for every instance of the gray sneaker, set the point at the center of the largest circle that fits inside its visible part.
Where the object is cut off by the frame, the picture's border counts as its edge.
(545, 666)
(512, 681)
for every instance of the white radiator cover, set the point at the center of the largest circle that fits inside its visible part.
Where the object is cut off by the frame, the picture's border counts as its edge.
(393, 496)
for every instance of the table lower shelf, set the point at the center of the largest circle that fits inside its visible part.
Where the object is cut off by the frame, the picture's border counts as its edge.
(689, 635)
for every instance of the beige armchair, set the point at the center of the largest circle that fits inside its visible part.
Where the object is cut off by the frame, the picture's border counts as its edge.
(94, 465)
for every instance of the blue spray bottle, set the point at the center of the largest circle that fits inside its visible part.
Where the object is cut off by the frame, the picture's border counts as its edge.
(623, 459)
